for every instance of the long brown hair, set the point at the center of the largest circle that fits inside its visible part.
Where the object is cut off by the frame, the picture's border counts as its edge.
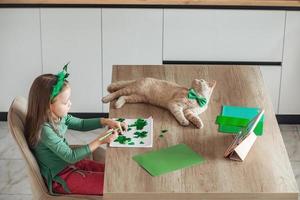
(38, 110)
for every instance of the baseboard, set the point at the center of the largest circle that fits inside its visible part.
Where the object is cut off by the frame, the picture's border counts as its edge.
(288, 119)
(281, 119)
(208, 62)
(3, 115)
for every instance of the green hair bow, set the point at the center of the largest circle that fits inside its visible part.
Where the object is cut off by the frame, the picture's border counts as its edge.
(192, 94)
(61, 77)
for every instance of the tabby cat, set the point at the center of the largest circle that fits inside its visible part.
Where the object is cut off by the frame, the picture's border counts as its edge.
(177, 99)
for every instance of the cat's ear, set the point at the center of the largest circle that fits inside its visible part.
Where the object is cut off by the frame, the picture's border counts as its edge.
(195, 82)
(212, 84)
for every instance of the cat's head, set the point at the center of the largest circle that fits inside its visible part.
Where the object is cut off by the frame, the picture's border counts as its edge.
(203, 87)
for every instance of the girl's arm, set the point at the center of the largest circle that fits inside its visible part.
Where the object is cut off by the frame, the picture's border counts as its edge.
(91, 124)
(83, 124)
(59, 147)
(96, 143)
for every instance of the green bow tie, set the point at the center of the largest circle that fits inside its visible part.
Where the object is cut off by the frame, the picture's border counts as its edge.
(192, 94)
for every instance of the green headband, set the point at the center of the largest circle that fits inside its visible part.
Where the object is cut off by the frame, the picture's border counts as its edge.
(61, 77)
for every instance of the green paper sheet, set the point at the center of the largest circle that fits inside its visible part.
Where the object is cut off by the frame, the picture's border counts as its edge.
(168, 159)
(234, 124)
(239, 112)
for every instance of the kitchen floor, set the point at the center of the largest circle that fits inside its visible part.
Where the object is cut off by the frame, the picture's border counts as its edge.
(14, 184)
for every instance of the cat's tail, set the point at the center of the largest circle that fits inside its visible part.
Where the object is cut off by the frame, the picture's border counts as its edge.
(119, 85)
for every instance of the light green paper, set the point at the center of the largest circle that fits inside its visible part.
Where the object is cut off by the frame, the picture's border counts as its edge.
(168, 159)
(240, 112)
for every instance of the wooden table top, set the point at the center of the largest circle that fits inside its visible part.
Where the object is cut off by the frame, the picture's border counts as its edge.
(266, 172)
(276, 3)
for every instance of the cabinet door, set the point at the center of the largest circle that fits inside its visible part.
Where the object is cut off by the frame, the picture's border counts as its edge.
(20, 56)
(74, 34)
(130, 36)
(271, 76)
(223, 35)
(290, 81)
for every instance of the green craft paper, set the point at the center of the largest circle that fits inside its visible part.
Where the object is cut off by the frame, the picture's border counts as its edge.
(234, 124)
(139, 124)
(168, 159)
(240, 112)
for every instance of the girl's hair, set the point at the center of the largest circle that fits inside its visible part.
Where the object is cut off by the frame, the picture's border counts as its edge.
(38, 110)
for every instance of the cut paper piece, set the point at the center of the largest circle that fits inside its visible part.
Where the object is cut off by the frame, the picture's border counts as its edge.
(234, 124)
(162, 132)
(133, 136)
(169, 159)
(239, 112)
(120, 119)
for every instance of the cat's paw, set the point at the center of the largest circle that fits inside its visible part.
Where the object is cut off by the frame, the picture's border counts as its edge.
(120, 102)
(106, 99)
(110, 88)
(184, 122)
(199, 124)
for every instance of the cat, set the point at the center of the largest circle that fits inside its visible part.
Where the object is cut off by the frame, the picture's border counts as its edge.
(165, 94)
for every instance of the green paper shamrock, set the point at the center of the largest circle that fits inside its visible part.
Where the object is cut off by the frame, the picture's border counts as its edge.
(142, 134)
(131, 143)
(122, 139)
(120, 120)
(139, 124)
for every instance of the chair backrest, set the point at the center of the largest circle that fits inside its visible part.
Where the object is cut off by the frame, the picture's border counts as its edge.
(16, 121)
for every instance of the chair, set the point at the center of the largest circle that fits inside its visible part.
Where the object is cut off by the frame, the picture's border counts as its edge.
(16, 121)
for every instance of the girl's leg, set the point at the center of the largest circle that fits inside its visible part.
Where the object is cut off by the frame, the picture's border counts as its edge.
(85, 182)
(90, 165)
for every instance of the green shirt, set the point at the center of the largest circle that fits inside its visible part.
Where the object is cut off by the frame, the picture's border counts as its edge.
(53, 152)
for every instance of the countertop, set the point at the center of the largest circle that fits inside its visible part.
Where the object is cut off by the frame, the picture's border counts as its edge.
(181, 3)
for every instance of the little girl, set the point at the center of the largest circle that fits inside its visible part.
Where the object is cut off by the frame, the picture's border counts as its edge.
(64, 169)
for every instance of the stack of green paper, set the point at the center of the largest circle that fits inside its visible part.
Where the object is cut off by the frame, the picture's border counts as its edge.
(168, 159)
(234, 118)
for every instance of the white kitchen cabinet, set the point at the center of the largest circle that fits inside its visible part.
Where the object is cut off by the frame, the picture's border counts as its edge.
(74, 34)
(223, 35)
(130, 36)
(20, 52)
(290, 81)
(272, 76)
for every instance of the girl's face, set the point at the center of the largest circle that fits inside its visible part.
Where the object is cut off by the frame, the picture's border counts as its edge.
(62, 104)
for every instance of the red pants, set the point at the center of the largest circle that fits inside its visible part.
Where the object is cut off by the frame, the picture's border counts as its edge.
(84, 177)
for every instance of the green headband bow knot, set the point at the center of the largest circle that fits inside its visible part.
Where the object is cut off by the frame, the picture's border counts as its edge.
(61, 77)
(192, 94)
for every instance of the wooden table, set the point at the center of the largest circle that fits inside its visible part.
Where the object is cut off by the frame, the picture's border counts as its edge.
(265, 174)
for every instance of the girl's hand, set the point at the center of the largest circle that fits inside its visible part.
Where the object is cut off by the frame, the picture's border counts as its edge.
(109, 138)
(112, 124)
